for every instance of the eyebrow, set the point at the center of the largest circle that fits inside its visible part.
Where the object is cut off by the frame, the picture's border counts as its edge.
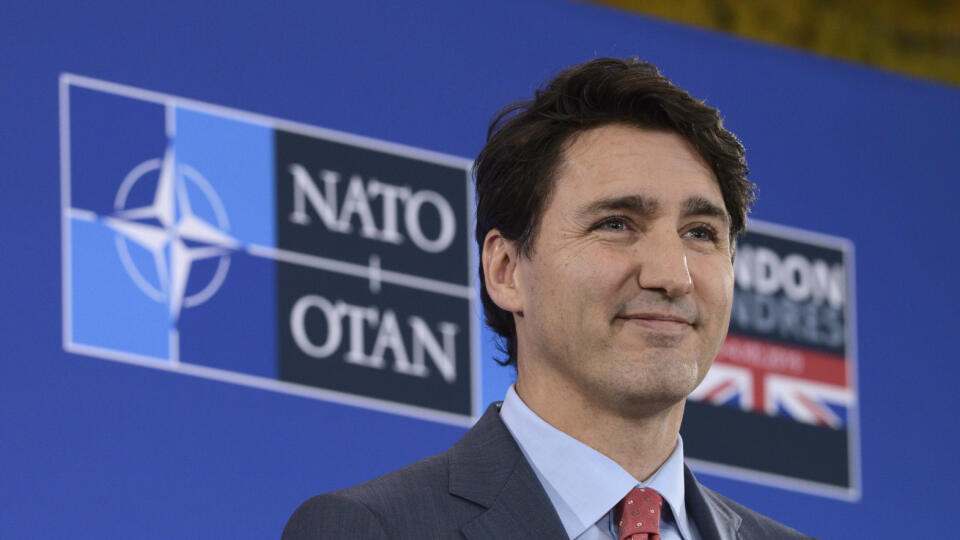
(694, 206)
(632, 203)
(699, 206)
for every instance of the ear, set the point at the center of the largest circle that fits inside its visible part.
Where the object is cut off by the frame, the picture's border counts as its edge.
(500, 258)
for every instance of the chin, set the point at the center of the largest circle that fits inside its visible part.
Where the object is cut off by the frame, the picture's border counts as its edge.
(640, 402)
(663, 377)
(650, 392)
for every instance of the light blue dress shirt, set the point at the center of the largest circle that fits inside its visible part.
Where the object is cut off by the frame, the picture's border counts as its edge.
(585, 485)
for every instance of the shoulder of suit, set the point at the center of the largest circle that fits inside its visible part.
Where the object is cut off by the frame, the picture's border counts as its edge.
(332, 515)
(755, 524)
(388, 506)
(429, 475)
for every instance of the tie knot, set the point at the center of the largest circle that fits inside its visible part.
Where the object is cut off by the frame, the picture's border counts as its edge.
(640, 514)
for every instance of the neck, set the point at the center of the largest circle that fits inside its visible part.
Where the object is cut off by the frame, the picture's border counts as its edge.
(638, 436)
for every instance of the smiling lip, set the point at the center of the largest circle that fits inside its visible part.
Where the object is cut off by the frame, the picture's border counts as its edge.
(659, 322)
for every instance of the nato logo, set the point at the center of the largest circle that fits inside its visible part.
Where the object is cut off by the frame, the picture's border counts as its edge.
(223, 244)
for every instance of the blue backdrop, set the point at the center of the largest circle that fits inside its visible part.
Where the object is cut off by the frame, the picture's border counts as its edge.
(97, 449)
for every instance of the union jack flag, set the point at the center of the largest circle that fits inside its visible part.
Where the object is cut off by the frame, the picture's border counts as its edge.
(777, 380)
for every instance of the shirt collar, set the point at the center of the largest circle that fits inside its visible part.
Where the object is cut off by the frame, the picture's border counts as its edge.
(668, 481)
(583, 484)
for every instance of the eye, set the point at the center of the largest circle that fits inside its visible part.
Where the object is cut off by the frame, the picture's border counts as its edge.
(614, 223)
(702, 232)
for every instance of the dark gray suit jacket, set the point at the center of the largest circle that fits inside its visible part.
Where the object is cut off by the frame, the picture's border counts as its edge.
(484, 489)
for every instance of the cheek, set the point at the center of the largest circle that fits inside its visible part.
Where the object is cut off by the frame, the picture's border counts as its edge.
(581, 288)
(598, 286)
(714, 283)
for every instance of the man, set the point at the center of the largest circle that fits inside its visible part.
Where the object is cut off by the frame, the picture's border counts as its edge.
(607, 213)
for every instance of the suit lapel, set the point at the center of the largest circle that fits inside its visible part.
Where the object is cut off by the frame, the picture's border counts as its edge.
(715, 520)
(487, 468)
(523, 511)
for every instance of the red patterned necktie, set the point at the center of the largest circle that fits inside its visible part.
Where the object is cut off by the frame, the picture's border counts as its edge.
(640, 515)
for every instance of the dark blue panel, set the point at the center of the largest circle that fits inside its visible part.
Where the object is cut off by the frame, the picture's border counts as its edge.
(235, 329)
(109, 137)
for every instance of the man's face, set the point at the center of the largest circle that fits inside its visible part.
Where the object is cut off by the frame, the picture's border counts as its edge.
(626, 296)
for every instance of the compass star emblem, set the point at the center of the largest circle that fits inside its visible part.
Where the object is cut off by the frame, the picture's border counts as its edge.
(174, 235)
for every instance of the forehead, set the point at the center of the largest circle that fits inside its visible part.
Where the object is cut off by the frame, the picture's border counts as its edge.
(620, 160)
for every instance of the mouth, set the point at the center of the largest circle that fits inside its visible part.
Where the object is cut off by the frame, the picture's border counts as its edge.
(659, 322)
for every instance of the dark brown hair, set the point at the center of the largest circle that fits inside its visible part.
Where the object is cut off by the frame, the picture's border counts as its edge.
(516, 169)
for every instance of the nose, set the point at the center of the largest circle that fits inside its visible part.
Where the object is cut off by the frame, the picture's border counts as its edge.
(663, 265)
